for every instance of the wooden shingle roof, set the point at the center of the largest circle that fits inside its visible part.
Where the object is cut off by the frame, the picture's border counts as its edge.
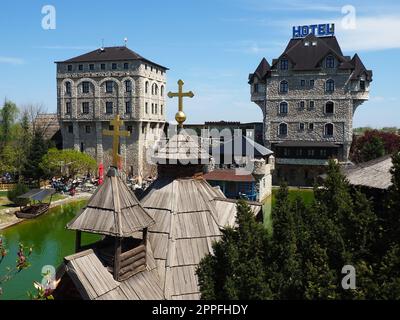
(181, 148)
(112, 210)
(189, 215)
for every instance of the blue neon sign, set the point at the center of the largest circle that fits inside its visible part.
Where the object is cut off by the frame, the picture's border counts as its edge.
(321, 30)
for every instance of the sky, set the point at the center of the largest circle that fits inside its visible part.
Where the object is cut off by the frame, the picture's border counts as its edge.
(212, 45)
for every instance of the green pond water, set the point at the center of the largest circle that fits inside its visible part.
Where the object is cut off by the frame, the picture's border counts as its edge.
(51, 243)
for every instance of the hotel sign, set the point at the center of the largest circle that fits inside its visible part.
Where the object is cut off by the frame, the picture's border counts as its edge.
(321, 30)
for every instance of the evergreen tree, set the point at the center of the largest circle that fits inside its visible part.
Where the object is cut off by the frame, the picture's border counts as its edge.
(36, 152)
(237, 268)
(372, 149)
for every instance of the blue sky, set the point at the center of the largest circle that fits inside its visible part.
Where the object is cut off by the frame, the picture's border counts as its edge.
(212, 44)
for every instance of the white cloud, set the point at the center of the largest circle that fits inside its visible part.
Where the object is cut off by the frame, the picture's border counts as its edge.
(11, 60)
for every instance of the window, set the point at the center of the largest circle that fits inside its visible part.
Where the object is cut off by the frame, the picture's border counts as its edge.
(126, 66)
(69, 67)
(114, 66)
(103, 66)
(330, 85)
(109, 86)
(284, 64)
(129, 129)
(146, 87)
(328, 129)
(152, 108)
(80, 67)
(91, 67)
(311, 83)
(312, 104)
(329, 107)
(362, 85)
(283, 87)
(255, 88)
(156, 109)
(162, 109)
(283, 129)
(68, 108)
(283, 108)
(330, 62)
(145, 66)
(302, 104)
(85, 86)
(70, 129)
(68, 87)
(301, 126)
(128, 107)
(85, 107)
(87, 129)
(109, 107)
(154, 89)
(128, 86)
(286, 152)
(322, 152)
(162, 91)
(310, 152)
(146, 107)
(82, 147)
(314, 43)
(302, 83)
(111, 128)
(311, 126)
(307, 44)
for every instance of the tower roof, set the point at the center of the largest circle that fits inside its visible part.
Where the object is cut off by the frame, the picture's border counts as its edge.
(113, 210)
(181, 148)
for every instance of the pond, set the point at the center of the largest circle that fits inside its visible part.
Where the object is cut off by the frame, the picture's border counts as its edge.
(51, 243)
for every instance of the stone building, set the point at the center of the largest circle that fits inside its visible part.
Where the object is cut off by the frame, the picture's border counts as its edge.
(308, 96)
(92, 88)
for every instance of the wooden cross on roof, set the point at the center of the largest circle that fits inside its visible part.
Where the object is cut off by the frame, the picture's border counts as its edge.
(116, 133)
(180, 116)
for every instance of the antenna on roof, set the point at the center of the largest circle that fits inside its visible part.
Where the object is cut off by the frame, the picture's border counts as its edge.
(102, 45)
(126, 41)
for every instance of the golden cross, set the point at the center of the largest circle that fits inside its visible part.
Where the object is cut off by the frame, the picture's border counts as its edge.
(180, 117)
(116, 133)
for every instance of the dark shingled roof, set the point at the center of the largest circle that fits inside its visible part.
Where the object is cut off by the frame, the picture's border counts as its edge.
(308, 58)
(110, 54)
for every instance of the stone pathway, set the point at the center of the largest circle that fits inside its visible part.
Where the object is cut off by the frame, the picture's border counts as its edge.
(8, 218)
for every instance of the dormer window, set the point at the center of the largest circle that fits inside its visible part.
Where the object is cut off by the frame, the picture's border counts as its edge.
(314, 43)
(330, 62)
(362, 85)
(284, 64)
(306, 43)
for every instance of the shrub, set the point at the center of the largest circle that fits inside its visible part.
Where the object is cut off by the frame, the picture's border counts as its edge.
(14, 193)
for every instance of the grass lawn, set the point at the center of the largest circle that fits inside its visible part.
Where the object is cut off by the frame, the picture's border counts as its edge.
(306, 194)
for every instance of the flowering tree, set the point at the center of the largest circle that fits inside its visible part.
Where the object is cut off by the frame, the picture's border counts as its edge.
(22, 262)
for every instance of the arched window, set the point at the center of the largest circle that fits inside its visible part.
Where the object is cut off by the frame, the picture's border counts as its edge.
(330, 62)
(283, 107)
(328, 130)
(155, 89)
(162, 91)
(68, 87)
(284, 86)
(283, 129)
(329, 107)
(146, 87)
(330, 85)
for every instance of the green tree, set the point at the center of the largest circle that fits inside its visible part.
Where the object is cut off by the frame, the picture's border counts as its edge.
(55, 162)
(373, 149)
(36, 152)
(237, 269)
(8, 115)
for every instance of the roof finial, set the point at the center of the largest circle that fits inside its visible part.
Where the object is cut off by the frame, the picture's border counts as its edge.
(116, 133)
(180, 116)
(125, 41)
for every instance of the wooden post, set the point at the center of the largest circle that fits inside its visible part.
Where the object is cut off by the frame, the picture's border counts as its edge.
(117, 258)
(78, 241)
